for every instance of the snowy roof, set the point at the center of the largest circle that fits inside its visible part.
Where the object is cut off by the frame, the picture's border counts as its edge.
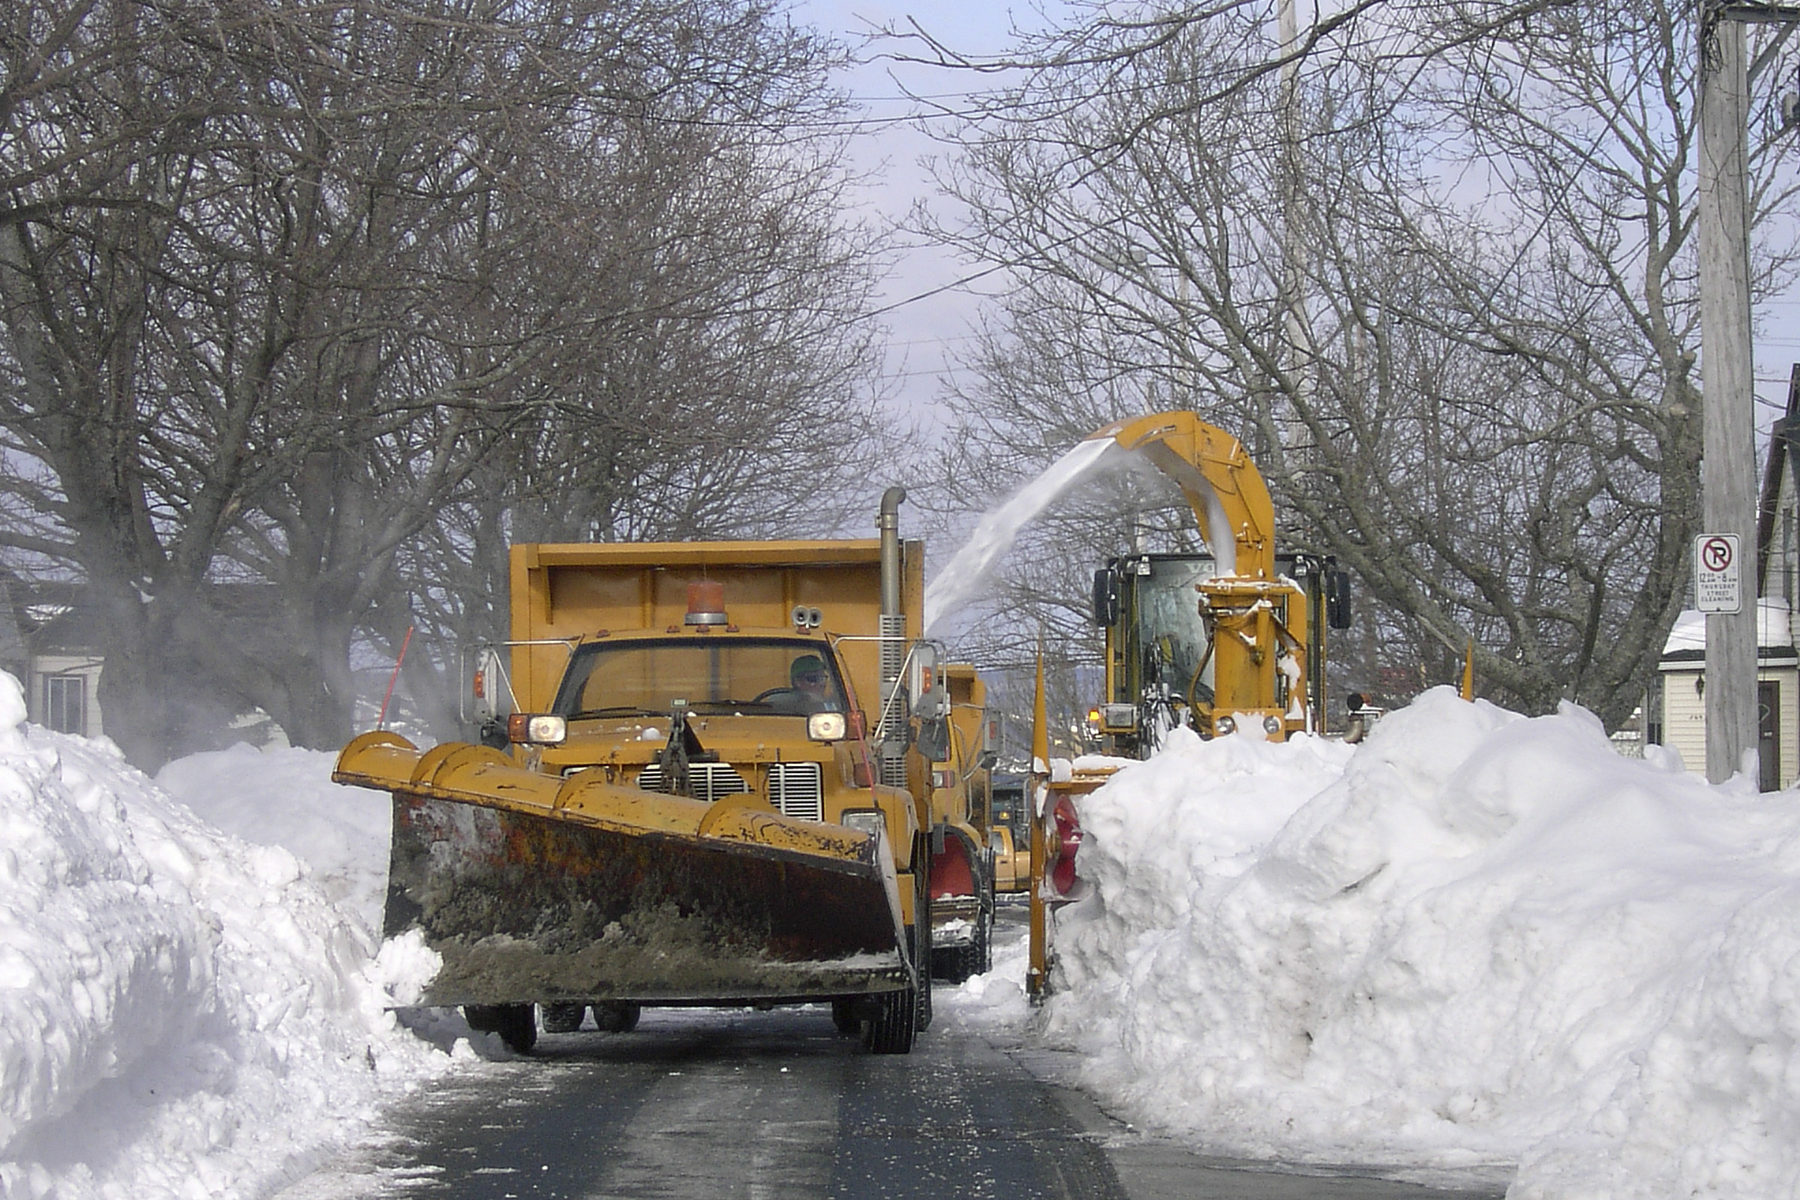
(1774, 634)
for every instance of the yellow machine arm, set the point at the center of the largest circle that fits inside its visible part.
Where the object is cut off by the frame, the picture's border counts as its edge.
(1221, 484)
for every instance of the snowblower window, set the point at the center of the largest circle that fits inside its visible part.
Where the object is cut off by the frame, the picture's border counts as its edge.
(713, 676)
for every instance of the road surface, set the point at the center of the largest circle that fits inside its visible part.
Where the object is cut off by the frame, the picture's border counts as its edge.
(726, 1104)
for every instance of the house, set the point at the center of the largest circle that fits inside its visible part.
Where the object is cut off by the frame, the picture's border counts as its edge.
(47, 643)
(1682, 706)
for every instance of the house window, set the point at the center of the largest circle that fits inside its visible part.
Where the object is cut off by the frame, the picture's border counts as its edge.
(65, 703)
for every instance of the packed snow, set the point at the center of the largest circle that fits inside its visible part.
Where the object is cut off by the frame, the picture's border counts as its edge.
(1475, 946)
(182, 1013)
(1472, 942)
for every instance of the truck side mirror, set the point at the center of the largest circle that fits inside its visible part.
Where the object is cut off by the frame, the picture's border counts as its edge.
(1337, 598)
(1106, 598)
(933, 742)
(926, 694)
(490, 696)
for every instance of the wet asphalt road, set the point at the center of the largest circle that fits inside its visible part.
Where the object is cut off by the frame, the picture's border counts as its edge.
(716, 1104)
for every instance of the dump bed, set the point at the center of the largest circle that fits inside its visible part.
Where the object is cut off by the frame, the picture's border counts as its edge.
(562, 592)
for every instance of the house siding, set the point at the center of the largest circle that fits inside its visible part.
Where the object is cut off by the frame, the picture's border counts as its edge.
(1684, 717)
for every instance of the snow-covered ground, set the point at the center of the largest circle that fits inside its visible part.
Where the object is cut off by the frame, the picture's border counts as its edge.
(1475, 943)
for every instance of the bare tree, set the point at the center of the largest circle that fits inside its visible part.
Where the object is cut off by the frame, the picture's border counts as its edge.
(1446, 298)
(278, 284)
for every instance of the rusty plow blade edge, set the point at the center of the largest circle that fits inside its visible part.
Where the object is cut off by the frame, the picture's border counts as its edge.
(545, 905)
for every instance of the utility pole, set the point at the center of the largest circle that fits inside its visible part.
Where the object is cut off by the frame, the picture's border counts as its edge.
(1728, 503)
(1728, 479)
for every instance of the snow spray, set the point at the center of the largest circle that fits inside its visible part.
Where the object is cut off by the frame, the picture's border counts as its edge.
(998, 528)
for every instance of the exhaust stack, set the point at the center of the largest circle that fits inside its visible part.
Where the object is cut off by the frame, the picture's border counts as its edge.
(893, 641)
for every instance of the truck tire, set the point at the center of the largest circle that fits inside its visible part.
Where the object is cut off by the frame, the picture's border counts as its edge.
(562, 1016)
(617, 1016)
(955, 964)
(984, 939)
(983, 956)
(890, 1030)
(515, 1023)
(922, 993)
(922, 936)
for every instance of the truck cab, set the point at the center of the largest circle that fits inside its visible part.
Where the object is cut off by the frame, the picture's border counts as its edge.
(715, 712)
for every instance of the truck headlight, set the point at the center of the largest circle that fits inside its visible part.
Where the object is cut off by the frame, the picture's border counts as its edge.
(865, 820)
(539, 729)
(827, 727)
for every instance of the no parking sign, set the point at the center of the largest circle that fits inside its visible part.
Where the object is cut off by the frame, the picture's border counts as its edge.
(1716, 573)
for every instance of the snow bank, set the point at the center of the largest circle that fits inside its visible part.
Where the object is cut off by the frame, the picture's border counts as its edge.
(993, 1000)
(1473, 940)
(181, 1014)
(284, 797)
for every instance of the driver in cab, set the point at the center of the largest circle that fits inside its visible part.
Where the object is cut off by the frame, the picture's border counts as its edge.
(813, 689)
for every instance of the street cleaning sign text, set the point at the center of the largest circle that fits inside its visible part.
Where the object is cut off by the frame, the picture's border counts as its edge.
(1716, 573)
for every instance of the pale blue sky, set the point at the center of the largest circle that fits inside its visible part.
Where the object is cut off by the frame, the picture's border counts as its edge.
(926, 331)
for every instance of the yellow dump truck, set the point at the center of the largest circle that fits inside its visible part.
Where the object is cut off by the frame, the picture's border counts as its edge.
(1009, 834)
(704, 798)
(962, 864)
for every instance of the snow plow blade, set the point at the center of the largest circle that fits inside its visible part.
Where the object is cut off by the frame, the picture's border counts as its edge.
(535, 888)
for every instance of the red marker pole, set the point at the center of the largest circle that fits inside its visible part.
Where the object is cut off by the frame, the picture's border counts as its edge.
(404, 643)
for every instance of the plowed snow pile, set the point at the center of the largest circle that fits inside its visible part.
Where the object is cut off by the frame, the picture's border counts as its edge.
(1475, 939)
(181, 1013)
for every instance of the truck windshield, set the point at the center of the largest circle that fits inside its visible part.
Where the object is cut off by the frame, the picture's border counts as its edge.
(713, 675)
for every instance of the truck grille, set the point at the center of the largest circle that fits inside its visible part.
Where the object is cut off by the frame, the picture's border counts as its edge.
(711, 781)
(798, 790)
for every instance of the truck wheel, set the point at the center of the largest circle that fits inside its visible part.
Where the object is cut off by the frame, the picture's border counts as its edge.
(562, 1016)
(922, 936)
(981, 953)
(922, 997)
(955, 964)
(890, 1030)
(515, 1023)
(952, 964)
(844, 1018)
(617, 1016)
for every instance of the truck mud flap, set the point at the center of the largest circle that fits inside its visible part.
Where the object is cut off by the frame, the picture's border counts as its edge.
(524, 907)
